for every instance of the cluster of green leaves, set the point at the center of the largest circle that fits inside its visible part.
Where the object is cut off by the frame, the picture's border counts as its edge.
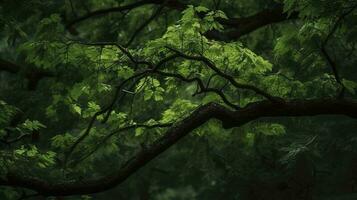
(212, 161)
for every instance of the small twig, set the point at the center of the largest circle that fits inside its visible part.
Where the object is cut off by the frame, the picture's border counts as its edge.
(328, 57)
(144, 24)
(201, 86)
(14, 140)
(107, 137)
(231, 79)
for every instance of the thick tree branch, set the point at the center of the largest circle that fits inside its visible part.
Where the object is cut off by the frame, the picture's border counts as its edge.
(203, 114)
(237, 26)
(174, 4)
(107, 11)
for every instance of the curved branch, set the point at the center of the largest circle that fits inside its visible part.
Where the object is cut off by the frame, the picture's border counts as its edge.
(238, 26)
(203, 88)
(174, 4)
(107, 11)
(120, 47)
(231, 79)
(119, 88)
(107, 137)
(197, 118)
(17, 139)
(330, 61)
(107, 109)
(245, 25)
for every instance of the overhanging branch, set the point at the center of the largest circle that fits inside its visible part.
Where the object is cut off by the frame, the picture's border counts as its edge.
(197, 118)
(226, 76)
(237, 27)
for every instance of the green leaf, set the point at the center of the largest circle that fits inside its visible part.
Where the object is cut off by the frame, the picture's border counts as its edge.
(32, 125)
(148, 94)
(62, 141)
(351, 86)
(201, 9)
(158, 97)
(139, 131)
(76, 109)
(155, 82)
(125, 72)
(93, 107)
(20, 151)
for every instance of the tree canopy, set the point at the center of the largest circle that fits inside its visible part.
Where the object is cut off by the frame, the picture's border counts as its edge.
(178, 99)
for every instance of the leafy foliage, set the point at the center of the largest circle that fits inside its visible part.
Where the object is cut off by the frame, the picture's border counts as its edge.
(77, 100)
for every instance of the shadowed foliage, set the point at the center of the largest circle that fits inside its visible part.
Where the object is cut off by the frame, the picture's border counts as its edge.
(178, 99)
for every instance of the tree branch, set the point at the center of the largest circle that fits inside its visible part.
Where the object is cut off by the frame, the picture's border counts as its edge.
(203, 88)
(107, 137)
(107, 11)
(324, 52)
(119, 88)
(197, 118)
(144, 24)
(238, 26)
(17, 139)
(231, 79)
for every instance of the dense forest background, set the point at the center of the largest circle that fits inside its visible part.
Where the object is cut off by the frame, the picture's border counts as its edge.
(178, 99)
